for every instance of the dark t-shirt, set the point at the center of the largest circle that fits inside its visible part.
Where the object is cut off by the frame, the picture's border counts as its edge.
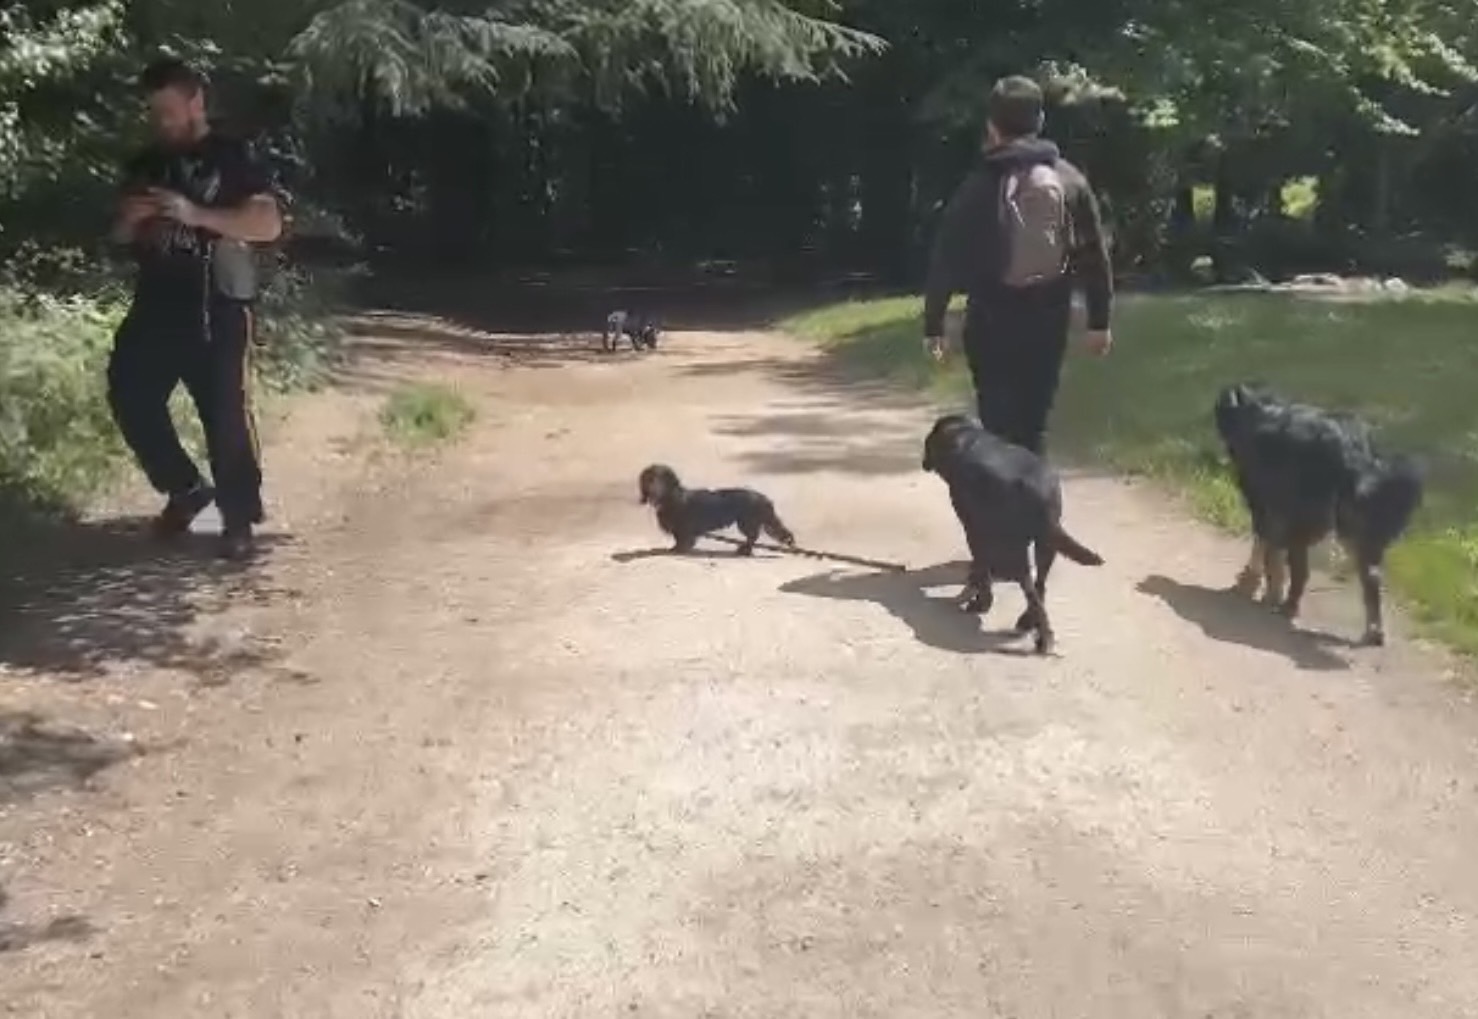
(174, 260)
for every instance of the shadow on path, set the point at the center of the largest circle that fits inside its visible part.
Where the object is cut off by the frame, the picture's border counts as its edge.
(17, 937)
(36, 756)
(82, 596)
(700, 553)
(1230, 618)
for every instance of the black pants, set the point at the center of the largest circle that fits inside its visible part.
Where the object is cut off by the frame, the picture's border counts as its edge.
(209, 350)
(1014, 344)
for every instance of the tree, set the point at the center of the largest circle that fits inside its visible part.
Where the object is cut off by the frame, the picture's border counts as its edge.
(410, 57)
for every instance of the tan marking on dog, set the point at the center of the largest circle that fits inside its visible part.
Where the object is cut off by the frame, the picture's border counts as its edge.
(1275, 566)
(1250, 579)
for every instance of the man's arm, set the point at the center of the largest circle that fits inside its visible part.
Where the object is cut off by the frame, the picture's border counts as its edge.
(250, 211)
(1089, 259)
(258, 220)
(132, 211)
(958, 249)
(134, 205)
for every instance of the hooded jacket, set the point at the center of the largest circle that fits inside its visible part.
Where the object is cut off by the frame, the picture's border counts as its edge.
(970, 247)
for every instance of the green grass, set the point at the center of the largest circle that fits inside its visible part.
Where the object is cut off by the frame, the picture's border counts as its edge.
(1408, 366)
(424, 414)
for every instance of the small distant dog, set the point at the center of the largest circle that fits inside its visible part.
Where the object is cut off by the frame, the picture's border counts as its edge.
(639, 329)
(688, 514)
(1008, 500)
(1304, 472)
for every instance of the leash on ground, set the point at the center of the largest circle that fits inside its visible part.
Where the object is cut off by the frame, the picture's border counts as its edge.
(811, 553)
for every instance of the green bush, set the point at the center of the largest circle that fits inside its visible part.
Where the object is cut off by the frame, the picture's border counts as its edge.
(302, 341)
(59, 448)
(58, 445)
(423, 414)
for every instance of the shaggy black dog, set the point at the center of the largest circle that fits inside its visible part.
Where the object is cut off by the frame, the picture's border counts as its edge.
(688, 514)
(1304, 472)
(1009, 501)
(641, 330)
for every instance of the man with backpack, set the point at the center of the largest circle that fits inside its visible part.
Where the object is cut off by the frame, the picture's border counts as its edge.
(192, 205)
(1021, 230)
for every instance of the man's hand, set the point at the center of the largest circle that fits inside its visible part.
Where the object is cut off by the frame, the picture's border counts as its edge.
(1099, 342)
(175, 206)
(934, 347)
(136, 208)
(133, 212)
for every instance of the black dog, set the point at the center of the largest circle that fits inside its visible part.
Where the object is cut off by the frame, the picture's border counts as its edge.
(641, 330)
(688, 514)
(1008, 500)
(1304, 472)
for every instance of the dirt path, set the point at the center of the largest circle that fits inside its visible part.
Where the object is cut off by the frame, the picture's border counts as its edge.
(451, 753)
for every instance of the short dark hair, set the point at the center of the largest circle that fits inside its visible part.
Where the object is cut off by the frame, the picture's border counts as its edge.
(171, 72)
(1016, 107)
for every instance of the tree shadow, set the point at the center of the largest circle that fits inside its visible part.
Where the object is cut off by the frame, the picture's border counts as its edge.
(826, 435)
(17, 937)
(551, 319)
(36, 756)
(705, 298)
(85, 596)
(391, 339)
(936, 621)
(1230, 618)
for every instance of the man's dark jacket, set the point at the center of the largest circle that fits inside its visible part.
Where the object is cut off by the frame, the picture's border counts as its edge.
(970, 248)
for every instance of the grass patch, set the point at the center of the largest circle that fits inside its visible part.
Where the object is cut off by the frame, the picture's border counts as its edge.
(424, 414)
(1405, 365)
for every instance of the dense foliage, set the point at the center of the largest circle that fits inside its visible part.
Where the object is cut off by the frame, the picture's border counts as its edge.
(809, 130)
(812, 135)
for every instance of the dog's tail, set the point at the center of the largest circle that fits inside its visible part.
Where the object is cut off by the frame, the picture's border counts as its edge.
(1070, 547)
(777, 530)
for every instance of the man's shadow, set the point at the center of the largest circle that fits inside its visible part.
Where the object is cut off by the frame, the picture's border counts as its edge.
(79, 597)
(936, 620)
(1231, 618)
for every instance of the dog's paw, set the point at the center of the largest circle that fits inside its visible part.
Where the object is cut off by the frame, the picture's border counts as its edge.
(1045, 643)
(976, 601)
(1247, 583)
(1288, 610)
(1374, 637)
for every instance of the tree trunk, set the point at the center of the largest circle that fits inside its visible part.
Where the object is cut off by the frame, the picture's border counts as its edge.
(1180, 252)
(1380, 212)
(1225, 222)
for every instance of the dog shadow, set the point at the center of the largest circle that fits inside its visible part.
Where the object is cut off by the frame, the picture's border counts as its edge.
(702, 554)
(936, 621)
(1230, 618)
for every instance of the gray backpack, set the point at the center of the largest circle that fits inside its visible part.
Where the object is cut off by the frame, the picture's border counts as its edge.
(1035, 219)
